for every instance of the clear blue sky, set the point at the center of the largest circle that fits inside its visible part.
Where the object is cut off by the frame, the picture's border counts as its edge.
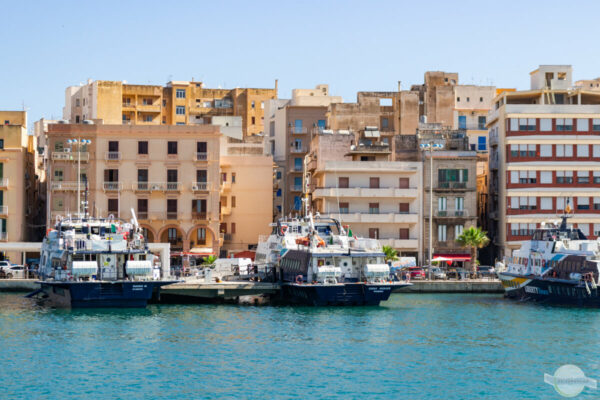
(353, 45)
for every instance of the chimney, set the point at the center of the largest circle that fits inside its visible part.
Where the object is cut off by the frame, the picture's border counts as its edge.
(276, 82)
(399, 85)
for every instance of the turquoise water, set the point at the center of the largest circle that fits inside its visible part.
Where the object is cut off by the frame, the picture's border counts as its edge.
(414, 347)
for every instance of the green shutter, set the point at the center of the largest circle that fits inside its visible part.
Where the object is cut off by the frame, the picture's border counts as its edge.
(1, 170)
(465, 175)
(4, 225)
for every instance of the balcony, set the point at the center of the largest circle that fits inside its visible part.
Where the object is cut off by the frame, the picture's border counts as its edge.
(296, 188)
(202, 216)
(297, 130)
(62, 185)
(3, 210)
(172, 215)
(142, 215)
(227, 237)
(201, 156)
(129, 106)
(3, 182)
(149, 108)
(112, 186)
(84, 156)
(453, 186)
(400, 243)
(395, 218)
(296, 150)
(451, 214)
(141, 186)
(366, 192)
(225, 186)
(199, 187)
(112, 156)
(225, 210)
(173, 187)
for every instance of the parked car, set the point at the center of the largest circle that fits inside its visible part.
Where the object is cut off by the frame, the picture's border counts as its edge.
(436, 273)
(416, 272)
(5, 265)
(14, 271)
(486, 271)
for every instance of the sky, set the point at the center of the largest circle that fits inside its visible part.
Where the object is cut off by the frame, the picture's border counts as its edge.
(350, 45)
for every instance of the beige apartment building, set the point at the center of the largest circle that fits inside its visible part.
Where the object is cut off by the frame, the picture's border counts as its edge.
(18, 192)
(545, 156)
(246, 194)
(360, 186)
(454, 191)
(168, 175)
(177, 103)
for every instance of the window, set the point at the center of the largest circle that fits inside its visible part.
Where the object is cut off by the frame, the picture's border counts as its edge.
(596, 151)
(111, 175)
(142, 176)
(462, 122)
(373, 208)
(564, 124)
(481, 143)
(458, 230)
(453, 175)
(278, 175)
(596, 203)
(201, 176)
(298, 164)
(596, 229)
(252, 104)
(58, 175)
(143, 147)
(459, 203)
(297, 145)
(596, 124)
(148, 118)
(527, 177)
(403, 183)
(545, 150)
(142, 208)
(564, 176)
(522, 229)
(481, 99)
(442, 204)
(278, 192)
(545, 124)
(233, 227)
(403, 234)
(514, 150)
(201, 235)
(562, 202)
(583, 177)
(546, 177)
(596, 175)
(527, 124)
(404, 208)
(180, 93)
(113, 146)
(343, 182)
(385, 123)
(113, 205)
(564, 150)
(171, 176)
(546, 203)
(297, 203)
(233, 175)
(298, 126)
(180, 110)
(233, 201)
(523, 203)
(262, 105)
(344, 208)
(171, 147)
(583, 124)
(583, 150)
(584, 228)
(253, 121)
(583, 203)
(441, 233)
(172, 234)
(171, 208)
(374, 183)
(373, 233)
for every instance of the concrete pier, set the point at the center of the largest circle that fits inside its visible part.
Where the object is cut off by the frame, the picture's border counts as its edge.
(18, 285)
(466, 286)
(222, 290)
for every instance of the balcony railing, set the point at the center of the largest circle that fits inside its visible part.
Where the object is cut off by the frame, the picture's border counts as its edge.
(112, 155)
(62, 185)
(199, 186)
(226, 210)
(172, 214)
(111, 186)
(70, 156)
(225, 185)
(297, 130)
(3, 236)
(3, 182)
(227, 237)
(452, 185)
(201, 156)
(3, 210)
(296, 188)
(199, 215)
(141, 186)
(173, 186)
(142, 214)
(298, 149)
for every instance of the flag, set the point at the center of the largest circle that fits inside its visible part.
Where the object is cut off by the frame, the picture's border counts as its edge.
(350, 232)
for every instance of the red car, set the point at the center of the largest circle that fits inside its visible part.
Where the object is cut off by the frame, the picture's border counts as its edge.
(416, 273)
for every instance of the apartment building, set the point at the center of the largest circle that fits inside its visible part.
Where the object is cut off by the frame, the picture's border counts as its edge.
(360, 186)
(545, 156)
(246, 194)
(177, 103)
(454, 190)
(169, 176)
(18, 191)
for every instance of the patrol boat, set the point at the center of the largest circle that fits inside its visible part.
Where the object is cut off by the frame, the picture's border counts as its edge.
(319, 264)
(97, 262)
(558, 265)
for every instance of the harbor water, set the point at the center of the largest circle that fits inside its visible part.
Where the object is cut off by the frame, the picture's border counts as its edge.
(415, 346)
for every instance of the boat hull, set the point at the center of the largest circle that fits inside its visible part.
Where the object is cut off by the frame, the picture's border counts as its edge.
(119, 294)
(342, 294)
(550, 290)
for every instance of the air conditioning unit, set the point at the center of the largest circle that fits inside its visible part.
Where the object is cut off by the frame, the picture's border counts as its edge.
(155, 187)
(195, 187)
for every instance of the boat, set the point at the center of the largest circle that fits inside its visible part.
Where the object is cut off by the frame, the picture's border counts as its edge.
(318, 262)
(97, 262)
(558, 265)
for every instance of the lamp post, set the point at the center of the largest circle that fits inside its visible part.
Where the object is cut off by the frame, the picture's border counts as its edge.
(79, 142)
(431, 146)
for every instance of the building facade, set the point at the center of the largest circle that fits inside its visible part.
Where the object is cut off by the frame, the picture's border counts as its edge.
(168, 175)
(545, 157)
(177, 103)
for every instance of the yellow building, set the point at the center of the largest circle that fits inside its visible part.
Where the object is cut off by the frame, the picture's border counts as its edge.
(17, 180)
(246, 194)
(177, 103)
(169, 175)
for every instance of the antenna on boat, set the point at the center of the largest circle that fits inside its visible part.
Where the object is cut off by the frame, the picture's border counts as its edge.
(134, 219)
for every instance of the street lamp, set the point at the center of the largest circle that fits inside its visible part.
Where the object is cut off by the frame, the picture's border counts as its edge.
(431, 146)
(79, 142)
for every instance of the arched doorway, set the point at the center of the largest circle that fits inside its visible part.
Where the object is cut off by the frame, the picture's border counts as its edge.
(148, 233)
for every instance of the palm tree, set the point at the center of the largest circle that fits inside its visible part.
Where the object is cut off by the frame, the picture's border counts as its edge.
(474, 238)
(209, 261)
(390, 253)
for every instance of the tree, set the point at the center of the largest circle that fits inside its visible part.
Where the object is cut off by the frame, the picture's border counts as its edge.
(390, 253)
(474, 238)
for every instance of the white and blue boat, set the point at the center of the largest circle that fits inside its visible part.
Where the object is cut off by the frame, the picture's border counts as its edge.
(97, 262)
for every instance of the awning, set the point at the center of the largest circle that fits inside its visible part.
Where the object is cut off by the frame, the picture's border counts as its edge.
(245, 254)
(453, 257)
